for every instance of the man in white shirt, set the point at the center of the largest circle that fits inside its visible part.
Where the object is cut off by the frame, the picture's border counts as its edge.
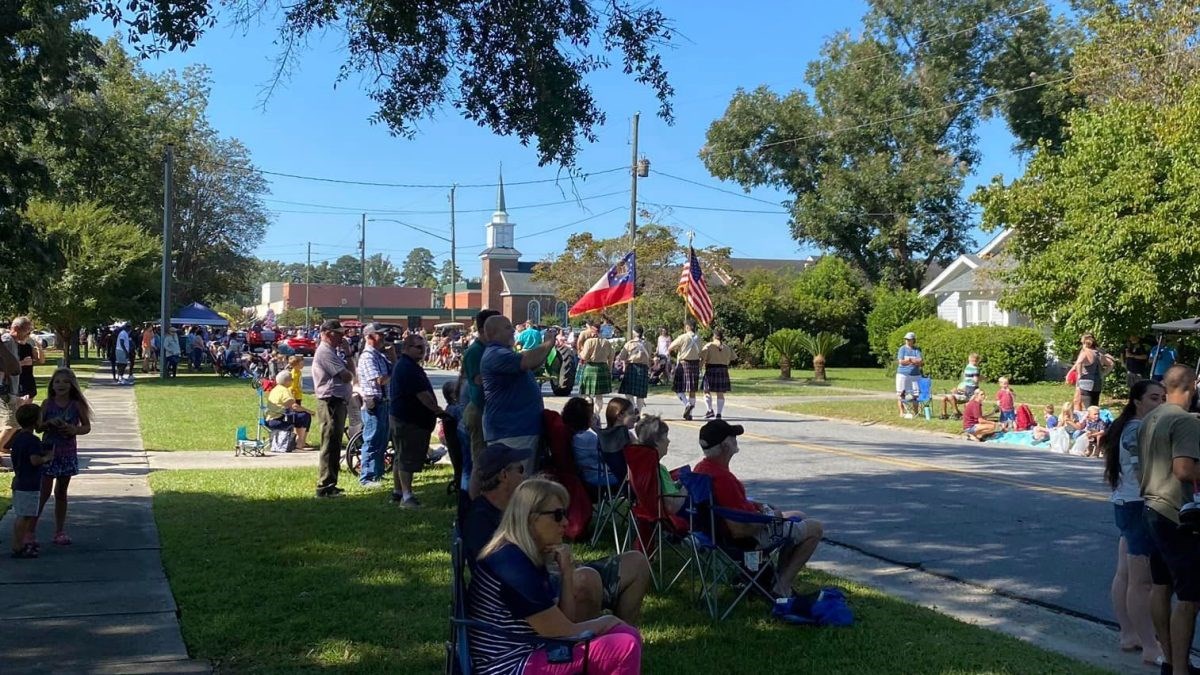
(124, 350)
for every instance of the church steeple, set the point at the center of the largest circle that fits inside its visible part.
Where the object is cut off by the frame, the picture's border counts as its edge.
(500, 207)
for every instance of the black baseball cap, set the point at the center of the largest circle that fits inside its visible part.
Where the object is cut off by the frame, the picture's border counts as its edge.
(713, 433)
(331, 324)
(371, 329)
(497, 457)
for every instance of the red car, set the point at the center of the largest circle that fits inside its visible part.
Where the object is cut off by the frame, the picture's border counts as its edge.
(258, 336)
(300, 344)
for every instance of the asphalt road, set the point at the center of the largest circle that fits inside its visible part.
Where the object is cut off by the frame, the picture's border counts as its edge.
(1022, 522)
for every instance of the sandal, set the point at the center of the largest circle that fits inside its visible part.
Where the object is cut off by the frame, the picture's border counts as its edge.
(62, 539)
(26, 552)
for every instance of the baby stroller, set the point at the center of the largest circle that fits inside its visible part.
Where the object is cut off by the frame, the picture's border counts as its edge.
(233, 366)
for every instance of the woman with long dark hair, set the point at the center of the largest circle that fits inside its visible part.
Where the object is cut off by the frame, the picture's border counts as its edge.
(1131, 584)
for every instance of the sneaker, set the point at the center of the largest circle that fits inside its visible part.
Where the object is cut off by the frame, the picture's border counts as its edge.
(327, 494)
(397, 497)
(410, 502)
(709, 415)
(372, 484)
(718, 415)
(908, 416)
(687, 411)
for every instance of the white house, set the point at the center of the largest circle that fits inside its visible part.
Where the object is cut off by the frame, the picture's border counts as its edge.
(967, 291)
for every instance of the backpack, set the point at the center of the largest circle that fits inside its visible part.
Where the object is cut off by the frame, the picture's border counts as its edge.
(827, 607)
(1025, 418)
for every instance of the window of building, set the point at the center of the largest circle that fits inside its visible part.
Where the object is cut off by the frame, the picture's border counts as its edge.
(534, 312)
(561, 311)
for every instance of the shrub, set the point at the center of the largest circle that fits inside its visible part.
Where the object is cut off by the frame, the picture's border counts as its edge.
(1017, 353)
(747, 351)
(786, 347)
(924, 328)
(892, 310)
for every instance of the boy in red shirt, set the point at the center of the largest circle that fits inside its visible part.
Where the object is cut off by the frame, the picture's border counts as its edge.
(1007, 400)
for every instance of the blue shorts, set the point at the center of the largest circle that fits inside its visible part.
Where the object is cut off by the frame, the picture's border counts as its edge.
(1008, 416)
(1132, 525)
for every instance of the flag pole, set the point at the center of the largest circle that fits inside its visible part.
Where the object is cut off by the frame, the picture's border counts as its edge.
(691, 235)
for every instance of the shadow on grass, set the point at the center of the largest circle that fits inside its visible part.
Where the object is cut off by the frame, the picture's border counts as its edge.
(269, 579)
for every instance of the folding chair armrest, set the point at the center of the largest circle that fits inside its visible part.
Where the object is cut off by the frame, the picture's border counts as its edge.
(737, 516)
(568, 641)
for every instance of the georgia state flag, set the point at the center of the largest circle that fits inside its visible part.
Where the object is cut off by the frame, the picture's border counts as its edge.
(614, 288)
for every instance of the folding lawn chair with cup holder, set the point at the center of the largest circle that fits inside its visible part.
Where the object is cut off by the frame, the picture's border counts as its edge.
(281, 439)
(656, 530)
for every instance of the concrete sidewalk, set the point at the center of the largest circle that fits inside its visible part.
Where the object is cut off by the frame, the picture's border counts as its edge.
(102, 604)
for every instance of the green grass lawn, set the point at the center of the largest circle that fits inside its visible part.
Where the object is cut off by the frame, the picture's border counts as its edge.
(1037, 395)
(269, 579)
(194, 411)
(84, 369)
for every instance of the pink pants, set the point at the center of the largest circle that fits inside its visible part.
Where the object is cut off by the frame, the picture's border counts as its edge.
(617, 652)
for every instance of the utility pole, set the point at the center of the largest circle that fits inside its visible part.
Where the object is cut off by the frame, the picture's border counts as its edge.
(168, 170)
(362, 260)
(453, 262)
(633, 180)
(307, 281)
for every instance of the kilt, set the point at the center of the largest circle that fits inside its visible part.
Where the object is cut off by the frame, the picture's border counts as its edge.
(636, 382)
(716, 379)
(687, 377)
(596, 379)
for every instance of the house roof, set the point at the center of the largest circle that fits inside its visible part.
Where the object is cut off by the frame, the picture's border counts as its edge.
(960, 275)
(976, 278)
(522, 283)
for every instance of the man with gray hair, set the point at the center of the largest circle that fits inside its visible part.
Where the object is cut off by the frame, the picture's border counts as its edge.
(512, 397)
(718, 440)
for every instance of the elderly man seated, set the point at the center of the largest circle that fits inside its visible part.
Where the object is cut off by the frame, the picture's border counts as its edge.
(718, 440)
(618, 583)
(283, 410)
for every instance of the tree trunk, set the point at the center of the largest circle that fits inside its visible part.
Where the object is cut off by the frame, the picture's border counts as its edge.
(67, 345)
(818, 368)
(785, 368)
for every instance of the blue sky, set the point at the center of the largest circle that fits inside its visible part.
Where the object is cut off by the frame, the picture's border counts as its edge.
(312, 127)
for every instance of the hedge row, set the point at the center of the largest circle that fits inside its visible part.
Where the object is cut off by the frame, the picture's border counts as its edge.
(1004, 351)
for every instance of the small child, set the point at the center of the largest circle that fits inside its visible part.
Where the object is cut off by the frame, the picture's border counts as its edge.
(28, 458)
(1094, 427)
(1051, 418)
(1006, 399)
(65, 414)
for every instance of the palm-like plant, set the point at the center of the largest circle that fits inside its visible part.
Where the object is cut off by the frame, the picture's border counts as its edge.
(820, 346)
(788, 344)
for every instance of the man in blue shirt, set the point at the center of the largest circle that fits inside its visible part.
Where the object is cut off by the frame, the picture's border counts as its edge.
(1163, 356)
(414, 416)
(374, 374)
(908, 372)
(473, 412)
(512, 409)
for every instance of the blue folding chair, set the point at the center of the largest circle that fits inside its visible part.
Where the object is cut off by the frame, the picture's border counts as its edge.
(721, 560)
(458, 648)
(925, 397)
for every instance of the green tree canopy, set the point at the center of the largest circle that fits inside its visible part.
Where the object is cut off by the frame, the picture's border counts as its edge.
(516, 68)
(103, 267)
(418, 269)
(444, 274)
(875, 154)
(1105, 233)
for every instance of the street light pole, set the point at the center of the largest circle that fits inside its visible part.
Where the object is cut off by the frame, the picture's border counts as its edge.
(165, 306)
(307, 282)
(362, 260)
(453, 262)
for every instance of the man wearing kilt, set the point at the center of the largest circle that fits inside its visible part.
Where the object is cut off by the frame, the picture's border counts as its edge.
(597, 356)
(687, 368)
(715, 357)
(636, 383)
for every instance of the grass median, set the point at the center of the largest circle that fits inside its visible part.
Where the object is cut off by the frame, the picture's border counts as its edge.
(198, 411)
(269, 579)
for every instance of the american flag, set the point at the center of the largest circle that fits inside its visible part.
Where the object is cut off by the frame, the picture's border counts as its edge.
(694, 290)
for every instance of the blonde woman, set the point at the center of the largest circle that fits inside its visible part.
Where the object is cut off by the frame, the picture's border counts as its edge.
(511, 590)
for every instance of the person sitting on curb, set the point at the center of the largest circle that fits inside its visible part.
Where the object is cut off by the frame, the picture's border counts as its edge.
(618, 583)
(965, 389)
(718, 440)
(974, 425)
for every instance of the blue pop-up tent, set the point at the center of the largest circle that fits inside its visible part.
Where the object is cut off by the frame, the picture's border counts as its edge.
(197, 314)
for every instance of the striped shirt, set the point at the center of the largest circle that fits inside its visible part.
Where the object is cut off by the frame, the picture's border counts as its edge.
(506, 588)
(371, 366)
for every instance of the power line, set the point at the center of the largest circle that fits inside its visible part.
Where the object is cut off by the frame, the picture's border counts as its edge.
(710, 208)
(409, 186)
(373, 211)
(715, 188)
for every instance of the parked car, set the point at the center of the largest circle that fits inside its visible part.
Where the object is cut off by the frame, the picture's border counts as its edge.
(260, 337)
(46, 339)
(301, 344)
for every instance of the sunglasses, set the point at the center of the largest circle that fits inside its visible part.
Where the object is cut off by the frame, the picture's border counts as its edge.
(558, 514)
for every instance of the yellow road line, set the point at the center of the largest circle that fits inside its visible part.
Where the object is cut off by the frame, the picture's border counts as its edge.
(922, 466)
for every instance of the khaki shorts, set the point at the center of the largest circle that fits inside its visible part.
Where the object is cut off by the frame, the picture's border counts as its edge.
(8, 413)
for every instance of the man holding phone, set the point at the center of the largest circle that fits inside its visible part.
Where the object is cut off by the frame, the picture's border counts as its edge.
(512, 409)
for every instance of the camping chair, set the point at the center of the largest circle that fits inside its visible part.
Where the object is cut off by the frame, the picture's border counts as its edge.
(923, 404)
(556, 439)
(263, 435)
(458, 647)
(612, 509)
(653, 524)
(722, 560)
